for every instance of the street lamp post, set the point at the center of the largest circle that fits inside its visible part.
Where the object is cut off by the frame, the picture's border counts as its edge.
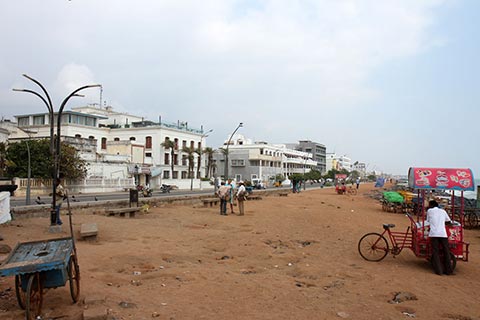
(54, 144)
(29, 173)
(226, 151)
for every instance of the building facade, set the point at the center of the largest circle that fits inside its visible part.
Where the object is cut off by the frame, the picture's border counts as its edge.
(318, 151)
(123, 145)
(260, 161)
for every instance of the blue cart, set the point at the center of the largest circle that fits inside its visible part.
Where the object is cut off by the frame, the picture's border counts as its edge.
(44, 264)
(41, 265)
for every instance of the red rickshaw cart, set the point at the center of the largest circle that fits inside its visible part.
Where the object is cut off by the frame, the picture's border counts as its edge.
(426, 182)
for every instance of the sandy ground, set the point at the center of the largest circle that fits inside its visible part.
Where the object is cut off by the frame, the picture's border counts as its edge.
(289, 257)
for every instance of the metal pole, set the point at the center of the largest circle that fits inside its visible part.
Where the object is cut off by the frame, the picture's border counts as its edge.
(27, 200)
(226, 151)
(54, 145)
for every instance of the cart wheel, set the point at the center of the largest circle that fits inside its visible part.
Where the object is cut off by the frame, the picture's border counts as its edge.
(20, 293)
(471, 220)
(373, 247)
(34, 297)
(453, 261)
(74, 278)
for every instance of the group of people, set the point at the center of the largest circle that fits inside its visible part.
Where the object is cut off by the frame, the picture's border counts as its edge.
(228, 194)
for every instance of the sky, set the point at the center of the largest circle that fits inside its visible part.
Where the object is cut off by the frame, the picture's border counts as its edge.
(393, 84)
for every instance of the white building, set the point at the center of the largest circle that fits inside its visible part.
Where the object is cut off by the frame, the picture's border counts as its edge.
(261, 161)
(334, 161)
(121, 146)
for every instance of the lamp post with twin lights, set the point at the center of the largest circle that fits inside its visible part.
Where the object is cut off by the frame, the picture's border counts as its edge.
(54, 140)
(226, 150)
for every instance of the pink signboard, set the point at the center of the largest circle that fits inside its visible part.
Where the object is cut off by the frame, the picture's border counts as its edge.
(441, 178)
(340, 176)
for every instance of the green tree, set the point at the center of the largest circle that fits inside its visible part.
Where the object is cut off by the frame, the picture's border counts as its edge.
(191, 157)
(72, 167)
(169, 144)
(314, 175)
(199, 151)
(3, 159)
(209, 152)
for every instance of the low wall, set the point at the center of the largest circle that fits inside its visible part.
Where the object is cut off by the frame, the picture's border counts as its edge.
(98, 207)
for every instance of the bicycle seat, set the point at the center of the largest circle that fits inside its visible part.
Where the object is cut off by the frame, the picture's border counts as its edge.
(388, 225)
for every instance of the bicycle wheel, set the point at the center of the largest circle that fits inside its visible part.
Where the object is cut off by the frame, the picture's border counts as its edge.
(74, 278)
(34, 297)
(373, 247)
(19, 292)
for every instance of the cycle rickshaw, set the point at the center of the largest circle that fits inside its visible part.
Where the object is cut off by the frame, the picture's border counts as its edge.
(425, 182)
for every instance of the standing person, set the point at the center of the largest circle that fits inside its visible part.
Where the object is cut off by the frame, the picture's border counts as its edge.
(223, 193)
(437, 217)
(241, 197)
(59, 195)
(231, 184)
(358, 182)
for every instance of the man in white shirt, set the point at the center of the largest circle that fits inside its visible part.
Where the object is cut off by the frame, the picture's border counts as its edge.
(241, 197)
(437, 218)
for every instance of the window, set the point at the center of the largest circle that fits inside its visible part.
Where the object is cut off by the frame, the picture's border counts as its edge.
(148, 142)
(238, 163)
(175, 174)
(184, 160)
(78, 136)
(132, 139)
(184, 144)
(199, 146)
(192, 144)
(116, 139)
(23, 121)
(166, 159)
(184, 174)
(148, 154)
(175, 159)
(91, 138)
(37, 120)
(90, 121)
(166, 174)
(104, 143)
(175, 141)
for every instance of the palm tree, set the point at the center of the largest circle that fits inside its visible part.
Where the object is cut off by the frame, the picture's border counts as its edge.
(199, 151)
(190, 156)
(209, 152)
(169, 144)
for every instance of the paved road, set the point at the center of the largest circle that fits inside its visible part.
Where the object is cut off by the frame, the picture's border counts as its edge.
(20, 201)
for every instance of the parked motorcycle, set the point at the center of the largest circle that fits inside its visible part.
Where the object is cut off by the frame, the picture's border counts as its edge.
(165, 188)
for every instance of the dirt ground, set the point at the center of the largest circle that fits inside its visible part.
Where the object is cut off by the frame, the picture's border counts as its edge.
(289, 257)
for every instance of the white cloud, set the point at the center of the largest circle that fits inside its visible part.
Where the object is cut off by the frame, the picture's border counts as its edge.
(198, 61)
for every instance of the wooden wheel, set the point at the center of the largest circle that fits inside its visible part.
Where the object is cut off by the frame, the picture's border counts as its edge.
(74, 278)
(34, 297)
(19, 291)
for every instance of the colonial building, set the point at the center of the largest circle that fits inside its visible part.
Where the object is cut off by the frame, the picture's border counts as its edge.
(119, 145)
(260, 161)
